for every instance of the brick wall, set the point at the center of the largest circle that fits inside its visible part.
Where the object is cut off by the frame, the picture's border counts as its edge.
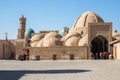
(46, 53)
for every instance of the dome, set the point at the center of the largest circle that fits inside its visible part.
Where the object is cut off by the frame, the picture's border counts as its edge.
(52, 34)
(51, 39)
(70, 34)
(85, 18)
(37, 40)
(73, 41)
(37, 37)
(83, 41)
(50, 42)
(28, 32)
(62, 32)
(46, 40)
(40, 43)
(34, 44)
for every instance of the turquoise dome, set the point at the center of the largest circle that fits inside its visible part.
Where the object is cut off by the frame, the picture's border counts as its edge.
(28, 32)
(62, 32)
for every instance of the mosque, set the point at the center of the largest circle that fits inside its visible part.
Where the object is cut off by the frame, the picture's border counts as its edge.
(89, 34)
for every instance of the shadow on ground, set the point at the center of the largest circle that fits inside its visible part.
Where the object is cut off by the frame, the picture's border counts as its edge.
(17, 74)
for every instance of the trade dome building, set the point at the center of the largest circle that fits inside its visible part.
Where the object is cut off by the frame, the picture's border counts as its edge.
(89, 34)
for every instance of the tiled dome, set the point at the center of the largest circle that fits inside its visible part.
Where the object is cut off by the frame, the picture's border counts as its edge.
(29, 31)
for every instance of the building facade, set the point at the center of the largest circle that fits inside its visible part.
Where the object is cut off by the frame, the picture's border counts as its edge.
(89, 34)
(7, 50)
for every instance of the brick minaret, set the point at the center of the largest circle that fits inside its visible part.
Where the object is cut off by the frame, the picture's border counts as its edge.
(21, 30)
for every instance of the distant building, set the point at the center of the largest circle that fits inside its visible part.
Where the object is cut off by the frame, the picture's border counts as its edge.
(7, 50)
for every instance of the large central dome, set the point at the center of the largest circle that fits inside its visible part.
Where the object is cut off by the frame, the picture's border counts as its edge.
(85, 18)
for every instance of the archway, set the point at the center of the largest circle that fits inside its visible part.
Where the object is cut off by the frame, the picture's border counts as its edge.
(99, 44)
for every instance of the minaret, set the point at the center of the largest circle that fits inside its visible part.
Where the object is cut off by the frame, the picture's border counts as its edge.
(21, 30)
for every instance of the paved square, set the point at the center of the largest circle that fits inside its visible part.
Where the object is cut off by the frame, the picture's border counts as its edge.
(60, 70)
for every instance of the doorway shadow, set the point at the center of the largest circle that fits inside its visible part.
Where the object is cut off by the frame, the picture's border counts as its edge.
(17, 74)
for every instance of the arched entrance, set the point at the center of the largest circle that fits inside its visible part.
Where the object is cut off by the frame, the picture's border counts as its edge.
(99, 44)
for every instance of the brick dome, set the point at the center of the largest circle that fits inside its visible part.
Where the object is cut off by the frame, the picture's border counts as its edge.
(85, 18)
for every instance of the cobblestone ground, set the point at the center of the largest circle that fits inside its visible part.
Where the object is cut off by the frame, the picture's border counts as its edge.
(60, 70)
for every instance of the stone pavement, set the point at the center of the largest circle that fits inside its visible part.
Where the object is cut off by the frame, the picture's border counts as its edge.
(60, 70)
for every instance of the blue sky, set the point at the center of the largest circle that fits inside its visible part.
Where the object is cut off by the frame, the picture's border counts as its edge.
(53, 14)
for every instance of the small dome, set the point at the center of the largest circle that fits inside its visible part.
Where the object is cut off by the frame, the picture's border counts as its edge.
(40, 43)
(85, 18)
(73, 41)
(70, 34)
(34, 44)
(46, 40)
(28, 32)
(52, 39)
(37, 37)
(50, 42)
(52, 34)
(62, 32)
(83, 41)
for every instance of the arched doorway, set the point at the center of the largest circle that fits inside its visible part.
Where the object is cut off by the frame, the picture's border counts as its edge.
(99, 44)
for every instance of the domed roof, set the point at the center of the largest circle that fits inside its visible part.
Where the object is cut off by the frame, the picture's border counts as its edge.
(85, 18)
(72, 41)
(37, 37)
(29, 31)
(34, 44)
(76, 34)
(83, 41)
(51, 39)
(46, 40)
(52, 34)
(50, 42)
(62, 32)
(40, 43)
